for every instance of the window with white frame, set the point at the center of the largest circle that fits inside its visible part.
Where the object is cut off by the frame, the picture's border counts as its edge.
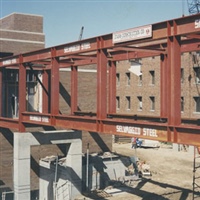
(197, 75)
(197, 104)
(139, 103)
(118, 79)
(128, 78)
(152, 75)
(128, 102)
(182, 104)
(152, 103)
(182, 75)
(140, 80)
(118, 102)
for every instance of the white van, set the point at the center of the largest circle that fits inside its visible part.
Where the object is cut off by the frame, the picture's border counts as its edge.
(149, 143)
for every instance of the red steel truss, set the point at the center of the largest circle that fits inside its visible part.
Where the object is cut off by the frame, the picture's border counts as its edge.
(166, 39)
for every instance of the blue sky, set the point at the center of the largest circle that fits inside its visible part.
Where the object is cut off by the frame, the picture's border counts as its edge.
(63, 19)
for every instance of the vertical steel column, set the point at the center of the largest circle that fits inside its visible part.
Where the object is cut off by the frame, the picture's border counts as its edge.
(22, 93)
(74, 89)
(101, 80)
(45, 93)
(112, 87)
(54, 84)
(174, 64)
(163, 86)
(1, 89)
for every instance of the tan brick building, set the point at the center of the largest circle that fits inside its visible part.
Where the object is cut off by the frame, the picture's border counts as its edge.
(140, 94)
(20, 33)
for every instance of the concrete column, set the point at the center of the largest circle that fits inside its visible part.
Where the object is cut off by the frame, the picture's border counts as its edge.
(21, 167)
(191, 150)
(176, 147)
(74, 167)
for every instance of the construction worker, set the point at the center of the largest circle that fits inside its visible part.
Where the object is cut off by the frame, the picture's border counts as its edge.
(133, 143)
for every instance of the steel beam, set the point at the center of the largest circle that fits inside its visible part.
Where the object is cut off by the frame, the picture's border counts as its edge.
(101, 80)
(74, 89)
(1, 90)
(163, 86)
(45, 92)
(169, 39)
(112, 87)
(54, 101)
(174, 77)
(22, 93)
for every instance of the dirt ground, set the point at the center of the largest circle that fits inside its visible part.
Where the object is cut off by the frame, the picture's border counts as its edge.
(172, 174)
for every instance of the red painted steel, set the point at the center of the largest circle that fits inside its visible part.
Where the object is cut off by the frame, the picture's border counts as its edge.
(174, 77)
(1, 89)
(112, 87)
(22, 93)
(163, 86)
(74, 89)
(54, 84)
(45, 93)
(101, 81)
(9, 123)
(169, 39)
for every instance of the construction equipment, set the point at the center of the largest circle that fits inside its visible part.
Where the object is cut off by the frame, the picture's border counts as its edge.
(81, 33)
(193, 6)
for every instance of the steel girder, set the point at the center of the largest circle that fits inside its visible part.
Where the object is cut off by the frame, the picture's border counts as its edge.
(168, 40)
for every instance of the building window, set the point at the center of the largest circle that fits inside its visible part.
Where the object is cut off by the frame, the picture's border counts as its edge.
(140, 80)
(31, 76)
(139, 103)
(118, 102)
(118, 79)
(128, 100)
(128, 78)
(152, 103)
(182, 75)
(197, 102)
(12, 75)
(182, 104)
(152, 74)
(197, 75)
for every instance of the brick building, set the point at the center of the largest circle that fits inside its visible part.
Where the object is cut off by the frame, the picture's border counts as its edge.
(139, 93)
(21, 33)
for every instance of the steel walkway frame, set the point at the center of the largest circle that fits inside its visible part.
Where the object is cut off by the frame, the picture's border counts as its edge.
(168, 40)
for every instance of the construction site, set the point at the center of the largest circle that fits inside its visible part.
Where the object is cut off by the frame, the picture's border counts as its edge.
(115, 116)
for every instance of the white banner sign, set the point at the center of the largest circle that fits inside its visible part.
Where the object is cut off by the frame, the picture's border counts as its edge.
(132, 34)
(39, 119)
(10, 61)
(77, 47)
(137, 130)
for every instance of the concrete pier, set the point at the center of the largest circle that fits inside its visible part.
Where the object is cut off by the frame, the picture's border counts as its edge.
(22, 165)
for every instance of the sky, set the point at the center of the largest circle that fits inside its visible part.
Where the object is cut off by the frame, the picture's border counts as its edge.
(63, 19)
